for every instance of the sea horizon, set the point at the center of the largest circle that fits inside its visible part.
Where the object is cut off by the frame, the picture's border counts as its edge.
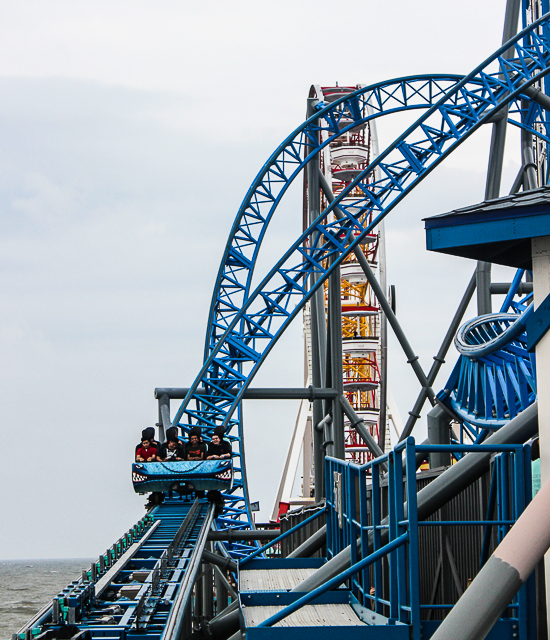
(27, 584)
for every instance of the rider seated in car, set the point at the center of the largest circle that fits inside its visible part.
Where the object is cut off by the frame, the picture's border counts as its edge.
(218, 448)
(147, 452)
(149, 434)
(171, 451)
(196, 450)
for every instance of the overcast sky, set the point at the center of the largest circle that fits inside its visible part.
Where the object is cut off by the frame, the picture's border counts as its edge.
(129, 134)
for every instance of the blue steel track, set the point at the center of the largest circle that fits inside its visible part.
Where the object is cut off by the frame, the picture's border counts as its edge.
(244, 326)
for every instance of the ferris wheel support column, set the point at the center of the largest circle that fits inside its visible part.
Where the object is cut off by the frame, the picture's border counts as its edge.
(318, 333)
(383, 341)
(382, 270)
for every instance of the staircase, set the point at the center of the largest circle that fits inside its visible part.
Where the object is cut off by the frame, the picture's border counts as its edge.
(265, 588)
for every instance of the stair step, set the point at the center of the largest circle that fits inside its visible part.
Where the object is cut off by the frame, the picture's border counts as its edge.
(273, 579)
(312, 615)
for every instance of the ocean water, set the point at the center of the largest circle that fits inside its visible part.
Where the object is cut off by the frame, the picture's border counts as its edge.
(27, 585)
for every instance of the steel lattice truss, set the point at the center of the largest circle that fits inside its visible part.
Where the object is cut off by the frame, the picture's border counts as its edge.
(235, 275)
(243, 326)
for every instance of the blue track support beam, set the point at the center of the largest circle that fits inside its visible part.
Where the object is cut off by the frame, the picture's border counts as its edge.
(538, 324)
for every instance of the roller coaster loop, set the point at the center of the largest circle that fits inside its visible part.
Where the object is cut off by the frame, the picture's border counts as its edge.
(253, 324)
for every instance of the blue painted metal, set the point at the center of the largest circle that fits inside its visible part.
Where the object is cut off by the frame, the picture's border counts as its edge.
(482, 232)
(538, 324)
(285, 164)
(357, 511)
(116, 614)
(494, 378)
(509, 299)
(278, 539)
(201, 475)
(253, 322)
(381, 507)
(336, 581)
(297, 632)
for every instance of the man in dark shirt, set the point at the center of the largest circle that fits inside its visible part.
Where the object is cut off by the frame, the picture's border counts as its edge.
(217, 450)
(226, 446)
(196, 450)
(171, 451)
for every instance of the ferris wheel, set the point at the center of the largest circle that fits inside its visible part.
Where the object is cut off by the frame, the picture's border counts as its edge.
(362, 370)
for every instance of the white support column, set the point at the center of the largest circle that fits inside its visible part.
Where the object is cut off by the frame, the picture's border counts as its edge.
(284, 493)
(541, 288)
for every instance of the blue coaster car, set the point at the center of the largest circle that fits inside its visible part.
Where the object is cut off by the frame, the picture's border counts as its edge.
(184, 476)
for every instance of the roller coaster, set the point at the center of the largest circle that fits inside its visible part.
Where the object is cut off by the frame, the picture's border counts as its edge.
(377, 549)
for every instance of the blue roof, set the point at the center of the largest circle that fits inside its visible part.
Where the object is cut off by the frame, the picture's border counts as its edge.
(497, 231)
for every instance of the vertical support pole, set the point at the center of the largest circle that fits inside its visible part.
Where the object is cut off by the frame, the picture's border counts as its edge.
(393, 557)
(331, 510)
(383, 342)
(414, 567)
(363, 532)
(532, 612)
(528, 161)
(505, 491)
(483, 284)
(335, 346)
(540, 248)
(198, 609)
(307, 447)
(376, 537)
(517, 484)
(439, 433)
(318, 330)
(164, 416)
(188, 620)
(487, 533)
(400, 493)
(349, 496)
(222, 599)
(383, 277)
(207, 589)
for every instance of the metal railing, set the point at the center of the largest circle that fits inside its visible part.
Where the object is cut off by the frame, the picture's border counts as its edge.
(375, 514)
(368, 511)
(278, 539)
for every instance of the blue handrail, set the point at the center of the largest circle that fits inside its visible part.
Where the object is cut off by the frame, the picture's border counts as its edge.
(281, 537)
(335, 582)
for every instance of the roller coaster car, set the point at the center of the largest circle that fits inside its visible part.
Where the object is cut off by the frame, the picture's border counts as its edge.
(184, 476)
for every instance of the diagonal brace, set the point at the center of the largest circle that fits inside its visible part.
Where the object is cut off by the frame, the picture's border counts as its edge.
(412, 358)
